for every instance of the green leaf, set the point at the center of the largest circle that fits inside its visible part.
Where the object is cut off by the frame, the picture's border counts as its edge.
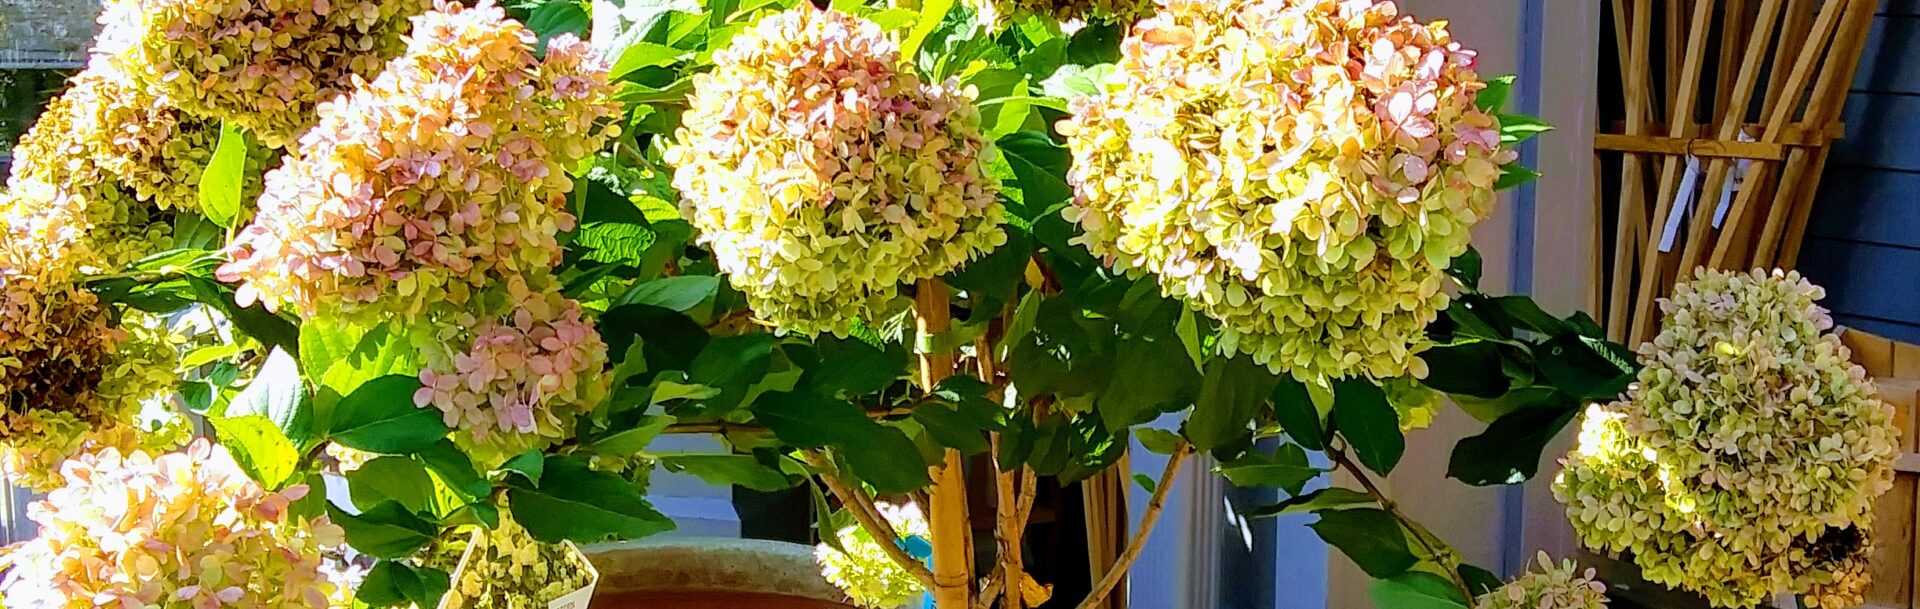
(225, 175)
(885, 461)
(1528, 315)
(380, 417)
(932, 12)
(1230, 395)
(254, 321)
(1040, 170)
(727, 470)
(849, 367)
(1097, 42)
(1480, 581)
(1517, 128)
(1368, 422)
(259, 447)
(1331, 498)
(1513, 175)
(1466, 268)
(683, 293)
(1471, 369)
(1494, 97)
(386, 349)
(1285, 469)
(572, 502)
(1145, 481)
(1370, 537)
(823, 517)
(388, 530)
(951, 428)
(631, 441)
(1587, 368)
(559, 17)
(1416, 590)
(732, 364)
(1508, 452)
(1293, 408)
(531, 465)
(1143, 385)
(811, 421)
(1157, 441)
(398, 479)
(645, 55)
(393, 584)
(454, 468)
(277, 394)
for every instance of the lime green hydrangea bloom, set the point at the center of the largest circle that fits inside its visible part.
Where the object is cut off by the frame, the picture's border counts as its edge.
(864, 571)
(1118, 11)
(263, 64)
(1562, 587)
(1302, 171)
(822, 176)
(512, 570)
(1746, 459)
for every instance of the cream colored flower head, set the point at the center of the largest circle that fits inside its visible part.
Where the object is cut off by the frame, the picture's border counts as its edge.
(823, 175)
(864, 571)
(1548, 587)
(1302, 171)
(425, 184)
(1746, 459)
(184, 529)
(263, 64)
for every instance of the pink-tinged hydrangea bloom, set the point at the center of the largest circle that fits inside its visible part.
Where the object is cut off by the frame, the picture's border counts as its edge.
(1548, 587)
(55, 346)
(823, 177)
(1746, 459)
(44, 440)
(518, 380)
(1301, 170)
(419, 187)
(185, 529)
(263, 64)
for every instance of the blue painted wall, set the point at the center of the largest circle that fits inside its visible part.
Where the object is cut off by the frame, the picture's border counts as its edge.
(1863, 242)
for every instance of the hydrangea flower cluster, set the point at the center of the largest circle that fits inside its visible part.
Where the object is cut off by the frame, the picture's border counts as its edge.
(264, 65)
(182, 529)
(864, 571)
(1562, 587)
(823, 177)
(44, 440)
(523, 378)
(425, 184)
(1746, 459)
(1301, 170)
(64, 204)
(510, 569)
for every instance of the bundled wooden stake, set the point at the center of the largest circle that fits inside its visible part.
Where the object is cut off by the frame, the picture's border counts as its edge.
(947, 520)
(1718, 167)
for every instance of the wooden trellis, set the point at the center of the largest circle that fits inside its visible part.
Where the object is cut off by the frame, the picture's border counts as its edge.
(1730, 107)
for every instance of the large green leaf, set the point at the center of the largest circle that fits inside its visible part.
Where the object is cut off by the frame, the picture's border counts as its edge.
(732, 364)
(886, 460)
(1369, 423)
(728, 470)
(278, 395)
(1040, 170)
(1144, 383)
(222, 181)
(261, 449)
(388, 530)
(394, 584)
(1416, 590)
(1508, 452)
(1584, 367)
(1230, 396)
(398, 479)
(1331, 498)
(683, 293)
(812, 421)
(255, 321)
(343, 357)
(454, 468)
(380, 417)
(1370, 537)
(1286, 469)
(1294, 410)
(849, 367)
(572, 502)
(1470, 369)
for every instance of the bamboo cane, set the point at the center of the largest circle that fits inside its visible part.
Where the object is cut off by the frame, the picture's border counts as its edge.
(1679, 125)
(1798, 188)
(1729, 129)
(947, 520)
(1631, 220)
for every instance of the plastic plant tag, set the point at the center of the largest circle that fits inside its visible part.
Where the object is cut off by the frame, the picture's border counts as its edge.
(1689, 186)
(477, 553)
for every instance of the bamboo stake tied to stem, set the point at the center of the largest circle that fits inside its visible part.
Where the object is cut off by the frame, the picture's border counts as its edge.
(947, 516)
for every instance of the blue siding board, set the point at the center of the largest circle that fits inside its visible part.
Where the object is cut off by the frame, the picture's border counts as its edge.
(1878, 327)
(1870, 205)
(1881, 129)
(1865, 280)
(1900, 7)
(1885, 65)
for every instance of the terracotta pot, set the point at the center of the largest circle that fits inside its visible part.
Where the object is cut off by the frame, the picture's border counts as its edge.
(710, 574)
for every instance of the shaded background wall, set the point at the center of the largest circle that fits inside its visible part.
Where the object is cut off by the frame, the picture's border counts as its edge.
(1863, 242)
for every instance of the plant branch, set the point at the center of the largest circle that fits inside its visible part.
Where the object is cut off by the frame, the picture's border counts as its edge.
(868, 515)
(723, 427)
(1139, 542)
(1431, 543)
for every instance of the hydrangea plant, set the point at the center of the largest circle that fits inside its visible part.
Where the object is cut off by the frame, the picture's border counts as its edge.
(474, 265)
